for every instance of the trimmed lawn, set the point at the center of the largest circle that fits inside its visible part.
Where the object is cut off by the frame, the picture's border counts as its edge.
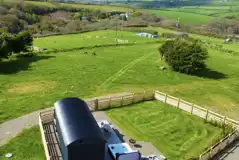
(177, 134)
(26, 146)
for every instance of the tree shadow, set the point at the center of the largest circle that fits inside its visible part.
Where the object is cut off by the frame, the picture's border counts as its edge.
(209, 73)
(20, 64)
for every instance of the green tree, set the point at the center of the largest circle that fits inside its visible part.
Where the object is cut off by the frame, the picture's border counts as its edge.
(184, 55)
(21, 42)
(5, 48)
(14, 43)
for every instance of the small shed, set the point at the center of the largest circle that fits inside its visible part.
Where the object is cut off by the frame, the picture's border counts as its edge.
(79, 134)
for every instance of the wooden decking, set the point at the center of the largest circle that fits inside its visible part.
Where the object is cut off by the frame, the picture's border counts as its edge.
(49, 136)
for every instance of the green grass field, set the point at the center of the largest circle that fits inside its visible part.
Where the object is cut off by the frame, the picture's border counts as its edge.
(34, 83)
(89, 39)
(186, 18)
(200, 10)
(177, 134)
(26, 146)
(106, 8)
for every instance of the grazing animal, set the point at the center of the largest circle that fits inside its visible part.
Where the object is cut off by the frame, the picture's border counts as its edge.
(86, 53)
(94, 53)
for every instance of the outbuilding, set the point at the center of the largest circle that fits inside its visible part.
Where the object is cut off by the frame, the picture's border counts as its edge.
(80, 137)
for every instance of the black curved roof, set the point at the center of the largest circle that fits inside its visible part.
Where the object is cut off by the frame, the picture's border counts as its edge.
(76, 122)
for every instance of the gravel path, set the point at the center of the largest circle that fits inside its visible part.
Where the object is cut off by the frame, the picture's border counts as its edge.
(11, 128)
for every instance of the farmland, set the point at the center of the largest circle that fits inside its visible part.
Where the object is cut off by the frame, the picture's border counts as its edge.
(34, 83)
(79, 6)
(172, 131)
(197, 14)
(186, 18)
(89, 39)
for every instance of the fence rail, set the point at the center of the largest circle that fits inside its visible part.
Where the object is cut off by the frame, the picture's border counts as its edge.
(208, 116)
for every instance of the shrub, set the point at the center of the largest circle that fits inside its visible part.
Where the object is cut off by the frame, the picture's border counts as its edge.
(3, 10)
(183, 55)
(21, 42)
(5, 49)
(12, 23)
(136, 14)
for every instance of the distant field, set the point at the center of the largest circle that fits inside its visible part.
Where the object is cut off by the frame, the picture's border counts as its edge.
(226, 15)
(177, 134)
(89, 39)
(96, 7)
(186, 18)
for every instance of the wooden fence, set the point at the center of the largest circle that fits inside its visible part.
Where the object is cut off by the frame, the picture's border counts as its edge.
(208, 116)
(117, 101)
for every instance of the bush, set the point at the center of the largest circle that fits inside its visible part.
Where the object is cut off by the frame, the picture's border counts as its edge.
(14, 43)
(21, 42)
(184, 55)
(12, 23)
(136, 14)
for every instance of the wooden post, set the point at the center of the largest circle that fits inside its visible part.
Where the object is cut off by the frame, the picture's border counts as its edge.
(153, 97)
(96, 104)
(192, 108)
(133, 98)
(109, 102)
(178, 102)
(144, 95)
(122, 101)
(165, 101)
(206, 115)
(224, 120)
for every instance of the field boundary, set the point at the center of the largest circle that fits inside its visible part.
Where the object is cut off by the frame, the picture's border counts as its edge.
(95, 46)
(105, 103)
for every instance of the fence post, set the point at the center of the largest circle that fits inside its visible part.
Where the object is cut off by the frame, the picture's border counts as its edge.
(122, 100)
(206, 115)
(200, 157)
(192, 108)
(178, 102)
(224, 120)
(144, 95)
(154, 93)
(133, 98)
(165, 101)
(109, 102)
(96, 104)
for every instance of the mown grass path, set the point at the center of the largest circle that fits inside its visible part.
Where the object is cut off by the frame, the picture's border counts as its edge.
(176, 134)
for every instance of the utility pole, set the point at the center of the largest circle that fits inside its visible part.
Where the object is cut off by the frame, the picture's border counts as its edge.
(178, 23)
(116, 31)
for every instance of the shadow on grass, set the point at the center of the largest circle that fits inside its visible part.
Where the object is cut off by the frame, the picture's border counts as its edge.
(209, 73)
(19, 64)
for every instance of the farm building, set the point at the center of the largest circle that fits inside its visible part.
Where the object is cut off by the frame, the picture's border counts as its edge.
(144, 34)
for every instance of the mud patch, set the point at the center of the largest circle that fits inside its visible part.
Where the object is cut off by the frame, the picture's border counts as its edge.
(32, 87)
